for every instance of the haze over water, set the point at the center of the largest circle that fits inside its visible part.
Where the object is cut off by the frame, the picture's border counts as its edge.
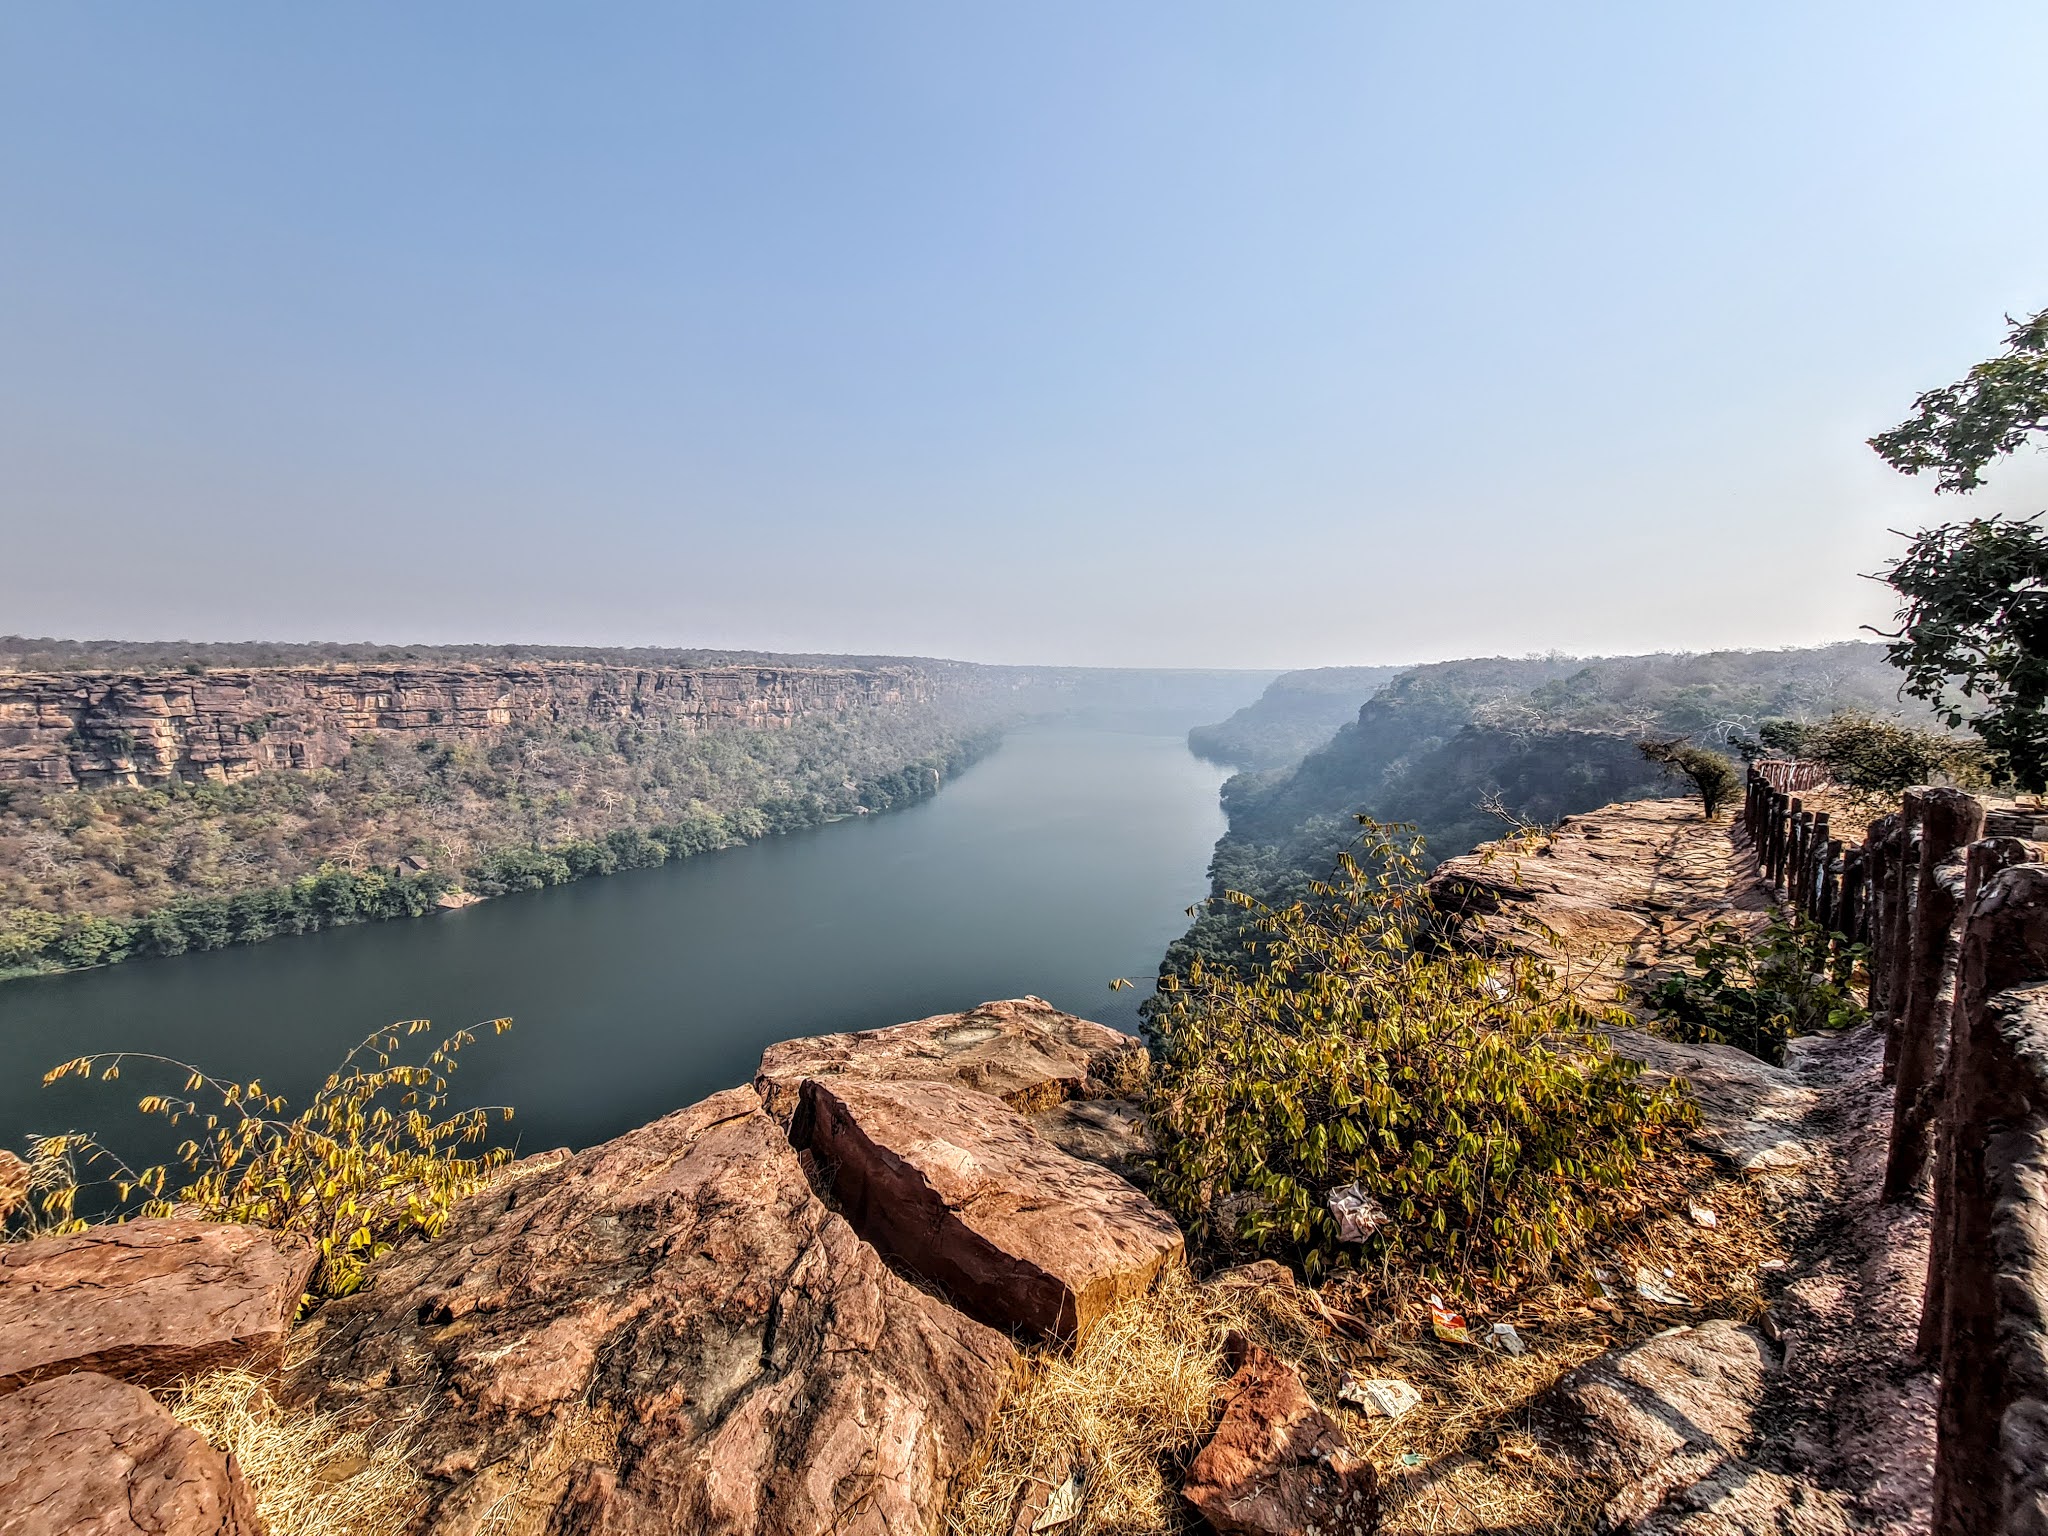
(1063, 860)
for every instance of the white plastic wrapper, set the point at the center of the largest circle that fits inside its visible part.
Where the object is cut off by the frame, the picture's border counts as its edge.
(1356, 1213)
(1387, 1396)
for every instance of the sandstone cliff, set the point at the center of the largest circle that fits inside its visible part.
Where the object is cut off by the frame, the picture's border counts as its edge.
(148, 728)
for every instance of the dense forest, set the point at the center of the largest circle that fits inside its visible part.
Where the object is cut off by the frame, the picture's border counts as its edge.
(1463, 750)
(89, 876)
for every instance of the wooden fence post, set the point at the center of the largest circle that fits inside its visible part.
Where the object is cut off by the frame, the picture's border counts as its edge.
(1880, 888)
(1988, 1461)
(1899, 940)
(1983, 860)
(1950, 820)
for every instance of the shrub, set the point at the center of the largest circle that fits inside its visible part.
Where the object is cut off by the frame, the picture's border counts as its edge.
(377, 1154)
(1468, 1098)
(1712, 776)
(1885, 757)
(1756, 992)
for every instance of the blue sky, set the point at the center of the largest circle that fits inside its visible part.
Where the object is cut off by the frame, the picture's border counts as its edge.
(1146, 333)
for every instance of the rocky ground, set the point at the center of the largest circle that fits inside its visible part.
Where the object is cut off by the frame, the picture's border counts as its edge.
(872, 1291)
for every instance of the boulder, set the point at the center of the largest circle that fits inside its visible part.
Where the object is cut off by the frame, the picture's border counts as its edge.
(1277, 1464)
(1023, 1051)
(148, 1301)
(1112, 1132)
(669, 1332)
(961, 1191)
(1668, 1424)
(86, 1455)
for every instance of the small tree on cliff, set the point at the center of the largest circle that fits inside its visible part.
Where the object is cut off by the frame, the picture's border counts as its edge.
(1712, 776)
(1975, 615)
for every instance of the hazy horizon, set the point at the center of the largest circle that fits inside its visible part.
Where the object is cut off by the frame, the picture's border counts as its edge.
(1158, 336)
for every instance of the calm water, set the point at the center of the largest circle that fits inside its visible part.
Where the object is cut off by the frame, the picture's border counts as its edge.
(1063, 860)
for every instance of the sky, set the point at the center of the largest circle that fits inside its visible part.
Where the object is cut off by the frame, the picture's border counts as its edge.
(1180, 334)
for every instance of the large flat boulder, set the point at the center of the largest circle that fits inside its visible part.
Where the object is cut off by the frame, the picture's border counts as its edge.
(669, 1332)
(1021, 1050)
(147, 1301)
(960, 1190)
(1277, 1464)
(86, 1455)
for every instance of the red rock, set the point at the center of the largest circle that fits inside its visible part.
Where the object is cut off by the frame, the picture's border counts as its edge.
(85, 1455)
(666, 1333)
(1278, 1465)
(964, 1193)
(147, 1301)
(1022, 1050)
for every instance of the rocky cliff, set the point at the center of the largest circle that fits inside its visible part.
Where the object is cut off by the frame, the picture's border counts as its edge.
(148, 728)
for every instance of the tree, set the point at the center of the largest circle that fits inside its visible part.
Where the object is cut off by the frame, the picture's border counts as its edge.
(1712, 776)
(1975, 618)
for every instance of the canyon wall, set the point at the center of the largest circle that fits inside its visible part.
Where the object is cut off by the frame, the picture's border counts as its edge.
(147, 728)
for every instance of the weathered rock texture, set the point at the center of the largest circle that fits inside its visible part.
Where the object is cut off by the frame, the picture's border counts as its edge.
(960, 1190)
(669, 1332)
(1619, 890)
(147, 1301)
(146, 728)
(1278, 1465)
(1021, 1050)
(85, 1455)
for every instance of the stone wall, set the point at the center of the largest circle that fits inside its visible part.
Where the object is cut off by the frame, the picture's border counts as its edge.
(147, 728)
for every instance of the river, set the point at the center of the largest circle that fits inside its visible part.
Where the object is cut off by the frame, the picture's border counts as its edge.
(1065, 858)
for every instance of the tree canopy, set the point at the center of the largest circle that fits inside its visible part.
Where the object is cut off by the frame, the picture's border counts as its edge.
(1991, 411)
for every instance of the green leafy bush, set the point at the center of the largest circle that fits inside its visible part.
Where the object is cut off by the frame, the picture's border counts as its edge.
(1885, 757)
(1469, 1098)
(377, 1154)
(1756, 992)
(1712, 776)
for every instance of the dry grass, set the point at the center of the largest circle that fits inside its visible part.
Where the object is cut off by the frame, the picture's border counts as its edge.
(310, 1476)
(1127, 1408)
(1131, 1406)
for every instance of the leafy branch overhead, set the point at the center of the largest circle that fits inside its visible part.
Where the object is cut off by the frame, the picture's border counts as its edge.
(1974, 621)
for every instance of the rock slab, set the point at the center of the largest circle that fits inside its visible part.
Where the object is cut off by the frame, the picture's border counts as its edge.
(1278, 1465)
(669, 1332)
(147, 1301)
(964, 1193)
(85, 1455)
(1021, 1050)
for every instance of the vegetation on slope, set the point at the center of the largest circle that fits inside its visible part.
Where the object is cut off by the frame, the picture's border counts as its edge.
(1461, 750)
(1297, 713)
(89, 876)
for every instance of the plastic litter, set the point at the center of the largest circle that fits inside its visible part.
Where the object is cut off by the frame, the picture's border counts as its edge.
(1356, 1213)
(1704, 1215)
(1446, 1324)
(1387, 1396)
(1504, 1335)
(1772, 1264)
(1411, 1458)
(1651, 1288)
(1064, 1504)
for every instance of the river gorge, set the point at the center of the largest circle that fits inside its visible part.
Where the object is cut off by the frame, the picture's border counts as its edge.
(1063, 860)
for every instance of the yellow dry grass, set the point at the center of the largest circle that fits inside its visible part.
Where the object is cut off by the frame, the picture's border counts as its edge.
(310, 1476)
(1133, 1403)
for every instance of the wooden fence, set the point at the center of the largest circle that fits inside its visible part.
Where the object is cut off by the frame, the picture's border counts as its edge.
(1955, 929)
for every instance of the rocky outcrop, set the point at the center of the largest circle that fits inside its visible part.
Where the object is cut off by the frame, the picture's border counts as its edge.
(669, 1332)
(148, 1301)
(1021, 1050)
(1278, 1465)
(85, 1455)
(962, 1192)
(148, 728)
(1608, 894)
(1671, 1424)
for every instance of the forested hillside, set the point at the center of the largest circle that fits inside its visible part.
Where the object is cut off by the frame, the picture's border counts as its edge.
(1459, 749)
(1297, 713)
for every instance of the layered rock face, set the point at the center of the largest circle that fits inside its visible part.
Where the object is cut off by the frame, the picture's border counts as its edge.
(962, 1192)
(149, 1301)
(668, 1332)
(90, 1456)
(147, 728)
